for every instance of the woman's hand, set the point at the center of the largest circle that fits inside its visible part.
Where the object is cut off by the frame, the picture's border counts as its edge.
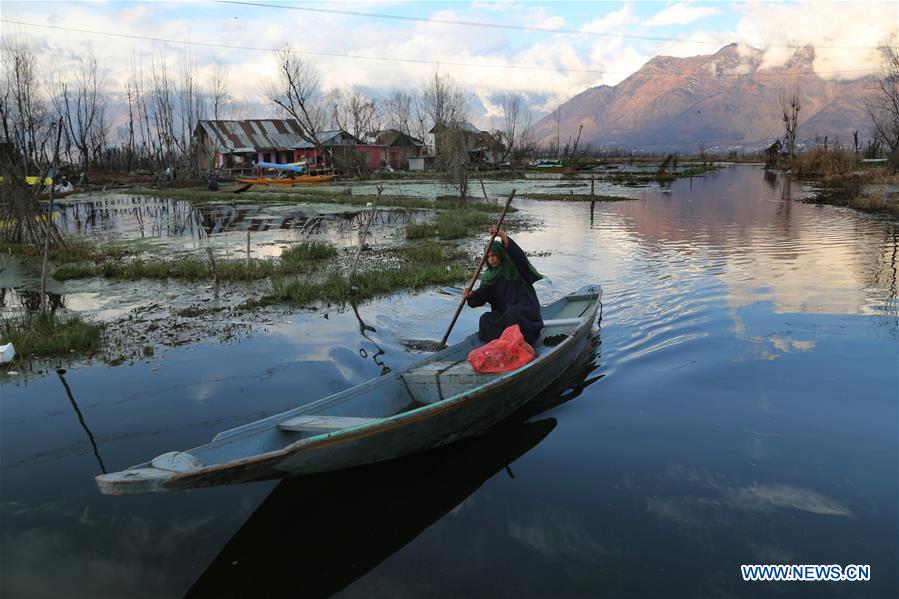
(501, 234)
(466, 293)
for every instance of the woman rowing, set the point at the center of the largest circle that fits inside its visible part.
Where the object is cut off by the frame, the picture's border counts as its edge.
(508, 286)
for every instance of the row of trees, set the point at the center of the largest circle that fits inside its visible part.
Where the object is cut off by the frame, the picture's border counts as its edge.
(166, 99)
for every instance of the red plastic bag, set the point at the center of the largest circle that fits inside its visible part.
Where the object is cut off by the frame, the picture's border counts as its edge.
(508, 352)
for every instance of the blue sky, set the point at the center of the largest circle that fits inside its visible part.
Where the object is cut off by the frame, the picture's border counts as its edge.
(485, 61)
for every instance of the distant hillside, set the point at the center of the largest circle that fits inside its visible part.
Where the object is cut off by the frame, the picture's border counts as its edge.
(721, 101)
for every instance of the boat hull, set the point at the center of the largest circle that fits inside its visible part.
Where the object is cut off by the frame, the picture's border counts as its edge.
(431, 425)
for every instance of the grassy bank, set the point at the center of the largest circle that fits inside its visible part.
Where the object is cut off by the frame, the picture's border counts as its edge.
(406, 268)
(311, 196)
(74, 250)
(451, 224)
(842, 179)
(294, 260)
(50, 335)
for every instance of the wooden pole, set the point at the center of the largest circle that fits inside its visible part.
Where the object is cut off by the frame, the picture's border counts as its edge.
(371, 217)
(248, 249)
(49, 222)
(215, 272)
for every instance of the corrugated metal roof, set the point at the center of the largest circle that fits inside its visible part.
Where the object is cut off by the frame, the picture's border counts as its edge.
(329, 138)
(258, 134)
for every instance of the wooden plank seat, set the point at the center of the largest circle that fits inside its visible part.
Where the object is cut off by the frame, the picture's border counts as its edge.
(315, 423)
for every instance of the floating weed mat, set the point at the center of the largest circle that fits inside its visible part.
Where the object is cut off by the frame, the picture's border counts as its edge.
(294, 260)
(51, 335)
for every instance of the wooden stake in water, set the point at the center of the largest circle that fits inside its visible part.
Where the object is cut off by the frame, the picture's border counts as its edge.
(215, 272)
(248, 249)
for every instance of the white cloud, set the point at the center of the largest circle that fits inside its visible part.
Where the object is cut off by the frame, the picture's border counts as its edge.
(681, 14)
(612, 21)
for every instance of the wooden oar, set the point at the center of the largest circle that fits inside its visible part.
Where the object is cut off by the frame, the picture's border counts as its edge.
(477, 273)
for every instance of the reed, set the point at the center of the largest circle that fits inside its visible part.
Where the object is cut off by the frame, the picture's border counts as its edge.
(49, 335)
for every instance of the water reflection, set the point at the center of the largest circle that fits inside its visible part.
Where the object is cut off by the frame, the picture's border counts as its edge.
(134, 217)
(13, 299)
(61, 373)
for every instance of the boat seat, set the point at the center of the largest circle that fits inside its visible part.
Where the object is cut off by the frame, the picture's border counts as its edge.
(315, 423)
(435, 381)
(561, 322)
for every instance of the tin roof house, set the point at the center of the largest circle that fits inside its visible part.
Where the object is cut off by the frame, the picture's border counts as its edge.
(238, 145)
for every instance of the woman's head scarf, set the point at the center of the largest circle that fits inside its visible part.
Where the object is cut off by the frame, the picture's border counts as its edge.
(506, 269)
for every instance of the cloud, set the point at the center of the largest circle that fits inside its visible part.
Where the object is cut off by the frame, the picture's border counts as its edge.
(612, 21)
(681, 14)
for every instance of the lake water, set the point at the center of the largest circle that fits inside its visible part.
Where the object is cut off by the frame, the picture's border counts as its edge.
(738, 405)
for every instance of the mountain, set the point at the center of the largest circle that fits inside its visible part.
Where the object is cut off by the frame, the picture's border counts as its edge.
(723, 101)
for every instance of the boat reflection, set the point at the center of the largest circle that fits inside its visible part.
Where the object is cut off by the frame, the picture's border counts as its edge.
(314, 535)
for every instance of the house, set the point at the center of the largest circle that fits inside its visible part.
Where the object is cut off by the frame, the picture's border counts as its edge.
(481, 146)
(238, 145)
(422, 163)
(398, 148)
(338, 150)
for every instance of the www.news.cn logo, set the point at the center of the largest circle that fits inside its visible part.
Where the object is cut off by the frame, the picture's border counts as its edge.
(805, 572)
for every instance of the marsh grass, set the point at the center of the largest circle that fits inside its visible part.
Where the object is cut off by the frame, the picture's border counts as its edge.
(462, 222)
(51, 335)
(75, 250)
(294, 260)
(420, 230)
(335, 288)
(313, 196)
(409, 267)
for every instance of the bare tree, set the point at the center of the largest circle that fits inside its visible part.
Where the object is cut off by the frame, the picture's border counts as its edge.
(220, 90)
(517, 133)
(883, 104)
(296, 91)
(444, 103)
(789, 107)
(81, 104)
(27, 132)
(354, 113)
(23, 108)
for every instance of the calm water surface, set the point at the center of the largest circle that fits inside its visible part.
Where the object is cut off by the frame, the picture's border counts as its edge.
(738, 405)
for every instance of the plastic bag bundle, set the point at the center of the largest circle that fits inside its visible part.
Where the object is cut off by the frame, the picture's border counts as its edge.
(508, 352)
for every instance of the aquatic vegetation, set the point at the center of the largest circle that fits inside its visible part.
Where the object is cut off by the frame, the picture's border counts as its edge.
(337, 288)
(314, 250)
(461, 222)
(76, 249)
(297, 259)
(313, 196)
(194, 311)
(408, 267)
(419, 230)
(47, 335)
(572, 197)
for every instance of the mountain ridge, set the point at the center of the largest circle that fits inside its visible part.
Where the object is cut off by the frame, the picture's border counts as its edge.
(721, 101)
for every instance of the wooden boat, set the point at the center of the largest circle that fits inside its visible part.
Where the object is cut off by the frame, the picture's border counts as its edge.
(431, 403)
(288, 181)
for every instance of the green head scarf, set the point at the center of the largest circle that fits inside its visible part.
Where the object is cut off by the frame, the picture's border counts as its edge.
(506, 269)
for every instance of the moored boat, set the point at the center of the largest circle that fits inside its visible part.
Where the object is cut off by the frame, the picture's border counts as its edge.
(288, 181)
(428, 404)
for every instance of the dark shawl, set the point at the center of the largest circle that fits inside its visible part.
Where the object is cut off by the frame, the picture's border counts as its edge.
(511, 296)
